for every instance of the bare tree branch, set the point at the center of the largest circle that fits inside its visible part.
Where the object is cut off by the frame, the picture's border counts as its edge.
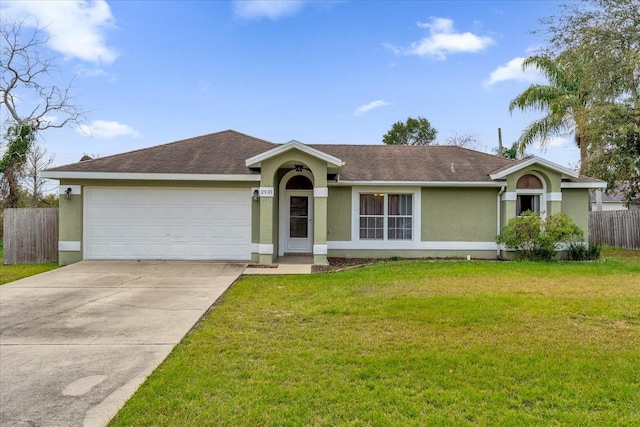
(26, 70)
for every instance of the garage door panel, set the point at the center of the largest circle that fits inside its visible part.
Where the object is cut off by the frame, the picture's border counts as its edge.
(144, 223)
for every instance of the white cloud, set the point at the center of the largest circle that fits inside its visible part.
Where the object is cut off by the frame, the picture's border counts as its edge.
(370, 106)
(443, 40)
(103, 129)
(555, 141)
(272, 9)
(512, 70)
(75, 28)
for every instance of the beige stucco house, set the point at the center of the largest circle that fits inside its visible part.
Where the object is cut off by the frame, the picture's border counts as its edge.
(230, 196)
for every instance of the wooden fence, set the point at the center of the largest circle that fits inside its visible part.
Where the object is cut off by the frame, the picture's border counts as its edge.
(30, 236)
(615, 228)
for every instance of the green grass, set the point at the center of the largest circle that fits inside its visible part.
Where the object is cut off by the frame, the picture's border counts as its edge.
(411, 344)
(10, 273)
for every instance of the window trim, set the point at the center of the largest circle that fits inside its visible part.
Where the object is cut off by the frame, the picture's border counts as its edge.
(416, 218)
(541, 192)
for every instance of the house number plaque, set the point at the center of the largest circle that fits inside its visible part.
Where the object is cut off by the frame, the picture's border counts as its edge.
(266, 191)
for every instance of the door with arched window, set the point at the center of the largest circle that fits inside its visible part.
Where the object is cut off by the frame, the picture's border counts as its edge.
(298, 212)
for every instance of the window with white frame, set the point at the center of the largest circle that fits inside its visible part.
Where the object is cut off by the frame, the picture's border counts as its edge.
(386, 216)
(529, 189)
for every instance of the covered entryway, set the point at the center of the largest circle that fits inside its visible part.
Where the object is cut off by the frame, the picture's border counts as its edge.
(167, 223)
(297, 215)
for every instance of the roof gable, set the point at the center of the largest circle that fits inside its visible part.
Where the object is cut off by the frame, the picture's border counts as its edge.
(502, 173)
(256, 160)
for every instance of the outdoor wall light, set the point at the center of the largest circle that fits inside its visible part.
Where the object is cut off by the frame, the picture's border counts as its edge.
(67, 193)
(255, 196)
(299, 168)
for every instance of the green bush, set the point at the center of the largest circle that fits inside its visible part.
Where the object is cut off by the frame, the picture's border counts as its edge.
(536, 239)
(582, 252)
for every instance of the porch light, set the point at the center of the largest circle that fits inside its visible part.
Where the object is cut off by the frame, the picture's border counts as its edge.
(67, 193)
(299, 168)
(255, 196)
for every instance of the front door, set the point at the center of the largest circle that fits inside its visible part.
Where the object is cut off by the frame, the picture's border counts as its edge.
(299, 221)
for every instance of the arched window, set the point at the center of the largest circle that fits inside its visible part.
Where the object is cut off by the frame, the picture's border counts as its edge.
(529, 189)
(299, 182)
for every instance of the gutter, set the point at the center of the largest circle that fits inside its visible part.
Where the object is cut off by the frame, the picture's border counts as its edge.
(499, 214)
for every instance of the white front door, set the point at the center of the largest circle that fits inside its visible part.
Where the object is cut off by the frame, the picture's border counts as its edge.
(299, 221)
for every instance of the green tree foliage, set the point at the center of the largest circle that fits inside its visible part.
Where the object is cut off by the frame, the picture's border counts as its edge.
(511, 152)
(19, 139)
(605, 34)
(565, 100)
(617, 159)
(412, 132)
(592, 60)
(539, 239)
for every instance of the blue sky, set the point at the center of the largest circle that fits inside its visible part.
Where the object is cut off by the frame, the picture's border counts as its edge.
(152, 72)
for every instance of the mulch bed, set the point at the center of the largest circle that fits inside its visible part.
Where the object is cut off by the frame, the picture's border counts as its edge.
(339, 264)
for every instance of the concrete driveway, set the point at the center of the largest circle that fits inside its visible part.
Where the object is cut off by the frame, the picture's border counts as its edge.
(76, 342)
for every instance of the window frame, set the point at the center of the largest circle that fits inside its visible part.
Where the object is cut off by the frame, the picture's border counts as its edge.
(415, 216)
(540, 192)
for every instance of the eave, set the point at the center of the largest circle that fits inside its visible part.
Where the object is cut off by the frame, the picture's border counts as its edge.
(150, 176)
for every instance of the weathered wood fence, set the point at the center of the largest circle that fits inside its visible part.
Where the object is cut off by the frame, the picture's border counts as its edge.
(615, 228)
(30, 236)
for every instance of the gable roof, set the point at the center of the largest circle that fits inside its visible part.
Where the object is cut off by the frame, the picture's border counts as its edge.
(232, 155)
(521, 164)
(221, 153)
(291, 145)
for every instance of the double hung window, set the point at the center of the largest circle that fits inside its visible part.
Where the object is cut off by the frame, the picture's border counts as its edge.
(386, 216)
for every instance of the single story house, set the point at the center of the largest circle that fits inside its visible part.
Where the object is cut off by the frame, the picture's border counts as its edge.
(230, 196)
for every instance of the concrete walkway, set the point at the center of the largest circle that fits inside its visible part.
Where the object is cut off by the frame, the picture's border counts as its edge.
(76, 342)
(290, 264)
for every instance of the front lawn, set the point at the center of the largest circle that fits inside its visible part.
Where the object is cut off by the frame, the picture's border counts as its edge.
(411, 344)
(9, 273)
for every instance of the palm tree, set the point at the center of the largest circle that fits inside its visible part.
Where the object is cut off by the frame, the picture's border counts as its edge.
(565, 100)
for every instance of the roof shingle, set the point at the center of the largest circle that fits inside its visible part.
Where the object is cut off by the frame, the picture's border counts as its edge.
(225, 153)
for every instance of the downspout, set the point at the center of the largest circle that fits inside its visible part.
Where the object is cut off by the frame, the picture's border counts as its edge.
(499, 216)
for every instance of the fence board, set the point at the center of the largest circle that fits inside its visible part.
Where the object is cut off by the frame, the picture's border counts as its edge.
(30, 236)
(615, 228)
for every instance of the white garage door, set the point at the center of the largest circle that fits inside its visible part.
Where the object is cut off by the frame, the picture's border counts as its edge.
(172, 224)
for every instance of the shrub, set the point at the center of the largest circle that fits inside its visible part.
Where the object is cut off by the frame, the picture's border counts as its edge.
(579, 251)
(536, 239)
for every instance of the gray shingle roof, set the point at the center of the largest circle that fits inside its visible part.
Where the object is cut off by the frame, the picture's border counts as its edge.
(217, 153)
(225, 153)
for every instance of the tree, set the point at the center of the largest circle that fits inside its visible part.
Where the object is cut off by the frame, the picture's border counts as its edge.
(19, 139)
(463, 140)
(617, 160)
(604, 32)
(29, 98)
(566, 100)
(602, 37)
(38, 159)
(413, 132)
(511, 152)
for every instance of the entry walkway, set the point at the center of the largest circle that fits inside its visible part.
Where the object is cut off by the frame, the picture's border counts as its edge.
(289, 264)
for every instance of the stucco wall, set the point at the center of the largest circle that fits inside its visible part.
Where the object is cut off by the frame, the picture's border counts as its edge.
(339, 214)
(575, 203)
(459, 214)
